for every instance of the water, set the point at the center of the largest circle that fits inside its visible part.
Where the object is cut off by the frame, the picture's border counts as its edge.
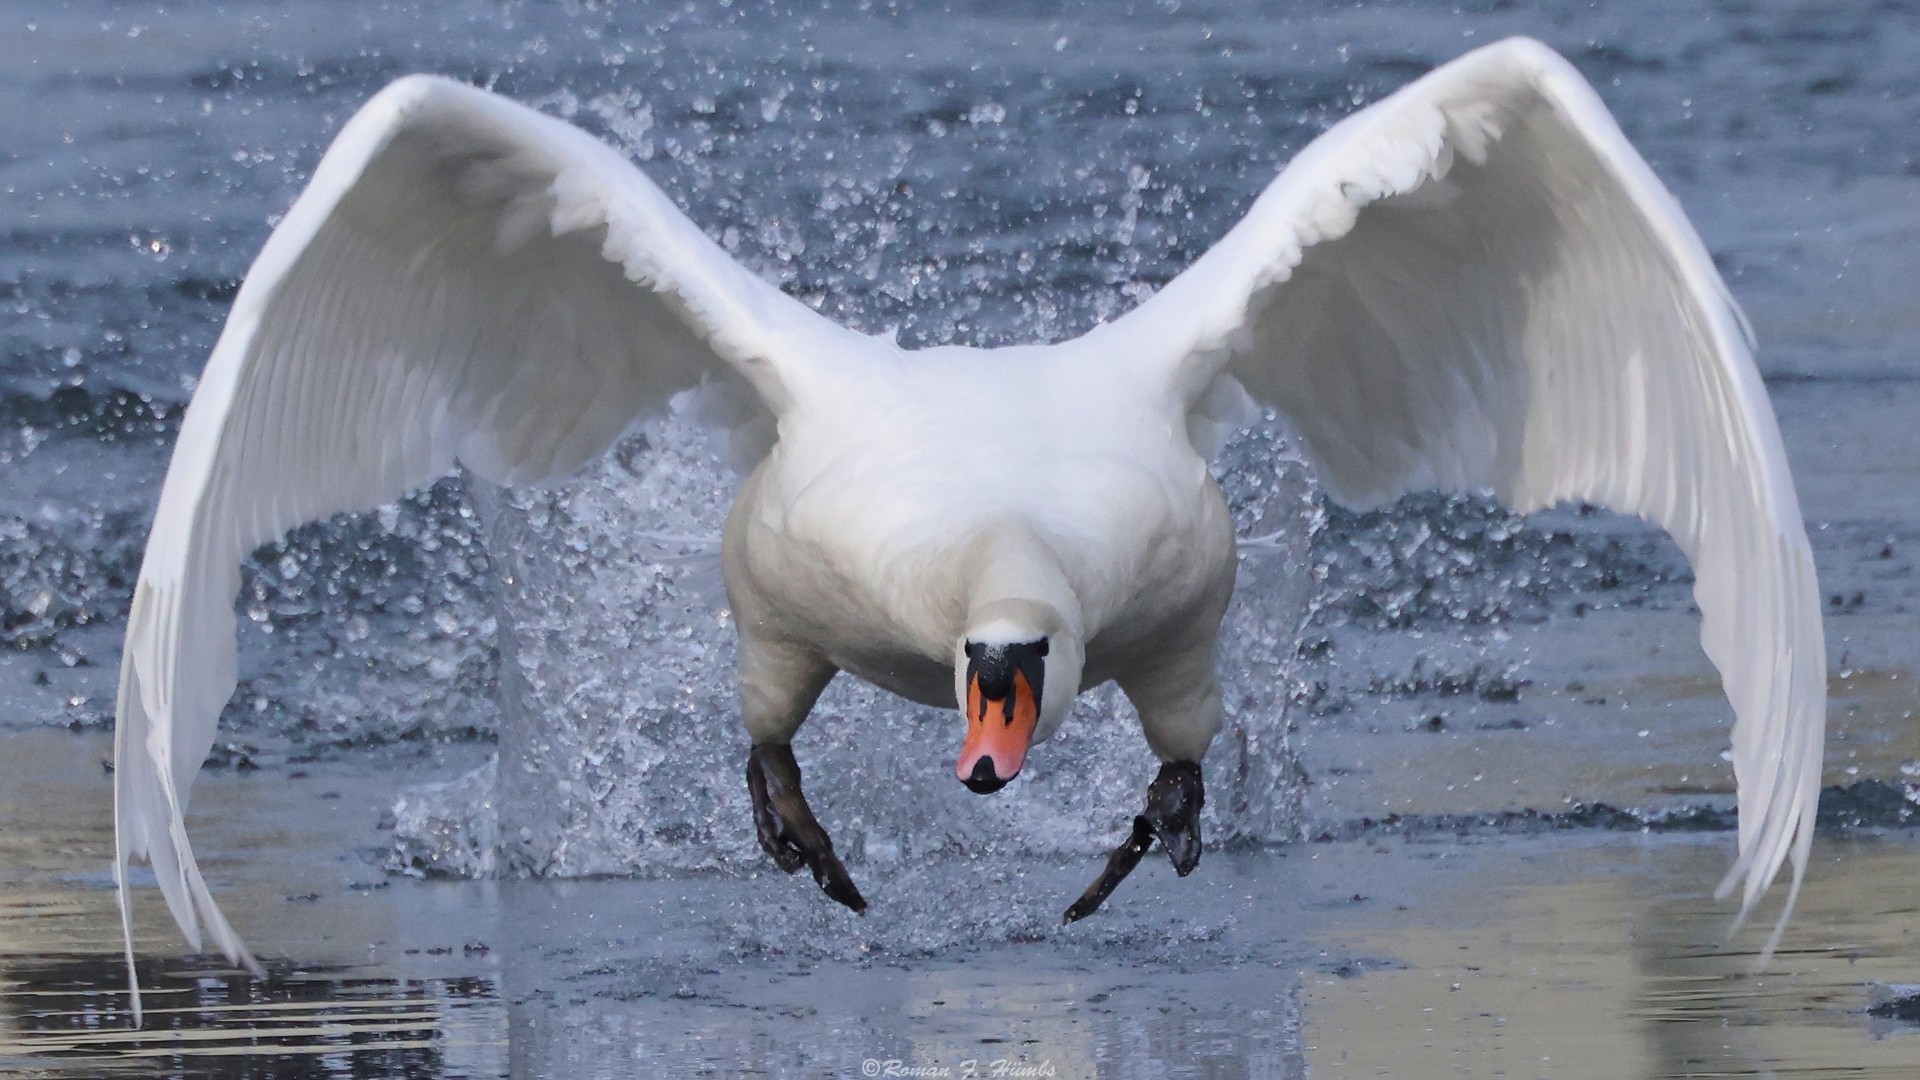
(1578, 953)
(977, 174)
(620, 748)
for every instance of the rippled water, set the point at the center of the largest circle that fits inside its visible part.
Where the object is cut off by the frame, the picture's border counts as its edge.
(1584, 953)
(975, 173)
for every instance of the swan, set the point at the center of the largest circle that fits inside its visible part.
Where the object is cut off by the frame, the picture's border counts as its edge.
(1473, 284)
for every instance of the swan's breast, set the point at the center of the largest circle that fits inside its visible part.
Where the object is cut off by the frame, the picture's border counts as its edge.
(857, 524)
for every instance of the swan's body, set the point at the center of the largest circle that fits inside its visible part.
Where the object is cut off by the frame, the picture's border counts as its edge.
(976, 448)
(1473, 284)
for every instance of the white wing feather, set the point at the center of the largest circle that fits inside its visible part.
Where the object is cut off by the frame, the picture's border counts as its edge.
(1478, 284)
(466, 280)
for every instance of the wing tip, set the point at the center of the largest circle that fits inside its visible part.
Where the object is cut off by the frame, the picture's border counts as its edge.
(1756, 870)
(141, 775)
(1752, 900)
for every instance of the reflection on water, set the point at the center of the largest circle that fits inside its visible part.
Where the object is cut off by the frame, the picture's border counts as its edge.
(64, 1018)
(1610, 960)
(65, 1015)
(1077, 1020)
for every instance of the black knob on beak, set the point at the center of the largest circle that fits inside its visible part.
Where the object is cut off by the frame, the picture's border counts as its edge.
(984, 781)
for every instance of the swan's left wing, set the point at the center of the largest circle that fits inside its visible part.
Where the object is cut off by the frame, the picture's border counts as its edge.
(1478, 284)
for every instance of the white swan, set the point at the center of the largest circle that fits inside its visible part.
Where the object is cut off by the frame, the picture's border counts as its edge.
(1473, 284)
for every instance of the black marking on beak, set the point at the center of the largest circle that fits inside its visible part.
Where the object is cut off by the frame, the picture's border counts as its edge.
(984, 780)
(992, 668)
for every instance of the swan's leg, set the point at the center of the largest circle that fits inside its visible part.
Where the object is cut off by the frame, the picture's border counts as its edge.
(788, 830)
(778, 685)
(1179, 707)
(1172, 816)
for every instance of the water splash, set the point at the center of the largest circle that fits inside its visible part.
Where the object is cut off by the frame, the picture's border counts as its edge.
(621, 749)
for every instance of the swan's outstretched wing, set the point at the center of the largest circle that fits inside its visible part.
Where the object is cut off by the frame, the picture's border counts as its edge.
(1478, 284)
(464, 280)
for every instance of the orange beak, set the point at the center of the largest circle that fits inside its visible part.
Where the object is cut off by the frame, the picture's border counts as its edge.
(998, 733)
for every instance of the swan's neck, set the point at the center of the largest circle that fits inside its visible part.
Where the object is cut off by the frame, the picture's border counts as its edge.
(1018, 591)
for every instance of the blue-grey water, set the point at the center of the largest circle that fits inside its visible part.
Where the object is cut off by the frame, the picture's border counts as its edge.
(982, 173)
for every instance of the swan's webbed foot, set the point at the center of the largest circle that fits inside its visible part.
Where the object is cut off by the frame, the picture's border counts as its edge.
(788, 830)
(1172, 816)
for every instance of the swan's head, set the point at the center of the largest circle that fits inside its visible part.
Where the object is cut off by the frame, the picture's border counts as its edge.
(1016, 681)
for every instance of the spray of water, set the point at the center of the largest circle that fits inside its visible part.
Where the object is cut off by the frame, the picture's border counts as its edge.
(621, 752)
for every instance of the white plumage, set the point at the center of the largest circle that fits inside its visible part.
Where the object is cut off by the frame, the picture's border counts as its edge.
(1473, 284)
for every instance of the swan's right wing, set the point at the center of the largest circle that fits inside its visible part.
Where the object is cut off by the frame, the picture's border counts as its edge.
(466, 280)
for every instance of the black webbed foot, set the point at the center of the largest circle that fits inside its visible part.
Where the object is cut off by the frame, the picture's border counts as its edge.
(1172, 816)
(787, 828)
